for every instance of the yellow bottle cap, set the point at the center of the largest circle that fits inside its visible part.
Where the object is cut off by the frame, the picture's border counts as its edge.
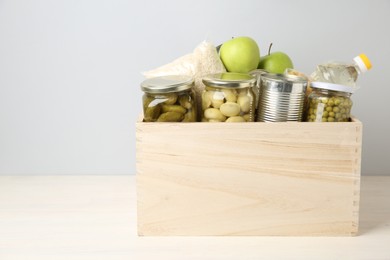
(363, 62)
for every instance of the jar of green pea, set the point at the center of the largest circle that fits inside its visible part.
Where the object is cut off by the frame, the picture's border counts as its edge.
(329, 103)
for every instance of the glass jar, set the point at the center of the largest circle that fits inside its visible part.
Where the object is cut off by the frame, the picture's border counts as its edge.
(329, 103)
(169, 99)
(228, 97)
(256, 90)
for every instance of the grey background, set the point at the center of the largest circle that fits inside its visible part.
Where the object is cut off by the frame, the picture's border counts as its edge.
(70, 70)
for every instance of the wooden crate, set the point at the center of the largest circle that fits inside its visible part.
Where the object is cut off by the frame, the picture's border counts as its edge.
(290, 179)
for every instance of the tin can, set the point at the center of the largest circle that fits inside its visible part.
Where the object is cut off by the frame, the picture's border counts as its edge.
(281, 98)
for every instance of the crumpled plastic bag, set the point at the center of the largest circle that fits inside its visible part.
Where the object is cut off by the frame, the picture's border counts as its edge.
(202, 61)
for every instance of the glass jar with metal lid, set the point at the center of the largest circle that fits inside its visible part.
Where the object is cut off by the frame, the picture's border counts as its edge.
(169, 99)
(228, 97)
(329, 102)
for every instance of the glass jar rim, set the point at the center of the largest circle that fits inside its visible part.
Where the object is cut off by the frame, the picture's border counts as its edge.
(167, 84)
(331, 86)
(229, 80)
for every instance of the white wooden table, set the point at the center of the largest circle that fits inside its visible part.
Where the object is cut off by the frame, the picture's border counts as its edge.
(94, 217)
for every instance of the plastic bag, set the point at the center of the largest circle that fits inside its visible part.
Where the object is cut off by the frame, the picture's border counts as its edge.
(202, 61)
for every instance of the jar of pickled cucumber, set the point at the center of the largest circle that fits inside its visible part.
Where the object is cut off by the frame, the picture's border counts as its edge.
(228, 97)
(329, 103)
(169, 99)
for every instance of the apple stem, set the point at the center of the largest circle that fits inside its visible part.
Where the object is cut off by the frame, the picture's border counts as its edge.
(269, 49)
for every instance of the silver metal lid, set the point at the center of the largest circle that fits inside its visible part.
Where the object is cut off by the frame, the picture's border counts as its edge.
(229, 80)
(167, 84)
(283, 83)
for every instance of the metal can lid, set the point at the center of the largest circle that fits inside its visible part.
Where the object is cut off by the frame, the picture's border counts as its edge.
(229, 80)
(331, 86)
(167, 84)
(284, 77)
(283, 83)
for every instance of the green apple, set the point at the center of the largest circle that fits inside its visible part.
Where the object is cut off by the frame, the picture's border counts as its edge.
(240, 54)
(276, 62)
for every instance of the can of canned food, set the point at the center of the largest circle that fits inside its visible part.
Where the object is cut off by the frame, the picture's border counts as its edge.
(281, 98)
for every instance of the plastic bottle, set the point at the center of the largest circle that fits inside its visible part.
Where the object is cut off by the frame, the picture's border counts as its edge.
(342, 73)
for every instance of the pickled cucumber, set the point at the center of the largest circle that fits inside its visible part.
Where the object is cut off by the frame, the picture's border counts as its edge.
(169, 108)
(170, 117)
(152, 113)
(173, 108)
(189, 117)
(170, 99)
(185, 101)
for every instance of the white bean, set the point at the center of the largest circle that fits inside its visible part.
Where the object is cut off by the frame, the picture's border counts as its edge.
(244, 102)
(217, 99)
(230, 95)
(230, 109)
(206, 99)
(247, 117)
(214, 113)
(235, 119)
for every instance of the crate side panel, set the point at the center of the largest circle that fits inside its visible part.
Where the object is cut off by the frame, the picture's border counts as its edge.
(198, 179)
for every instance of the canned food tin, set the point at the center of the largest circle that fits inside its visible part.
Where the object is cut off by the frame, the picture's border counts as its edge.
(281, 98)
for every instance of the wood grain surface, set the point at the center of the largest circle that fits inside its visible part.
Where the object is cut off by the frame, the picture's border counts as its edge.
(95, 217)
(290, 179)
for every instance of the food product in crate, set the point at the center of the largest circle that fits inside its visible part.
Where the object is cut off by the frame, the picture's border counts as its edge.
(275, 62)
(169, 99)
(342, 73)
(228, 97)
(202, 61)
(281, 98)
(240, 54)
(333, 84)
(329, 103)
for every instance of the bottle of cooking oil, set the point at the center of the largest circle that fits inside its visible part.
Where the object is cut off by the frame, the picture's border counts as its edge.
(342, 73)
